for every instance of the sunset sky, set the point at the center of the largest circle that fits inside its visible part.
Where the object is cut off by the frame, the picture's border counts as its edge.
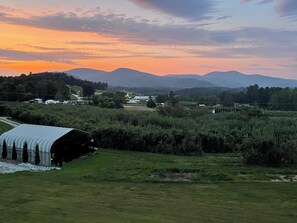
(156, 36)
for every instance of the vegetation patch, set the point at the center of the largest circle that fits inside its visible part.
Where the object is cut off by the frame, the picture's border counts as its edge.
(176, 175)
(263, 140)
(4, 127)
(284, 178)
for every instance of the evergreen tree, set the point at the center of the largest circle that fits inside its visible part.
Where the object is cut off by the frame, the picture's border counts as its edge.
(4, 150)
(37, 157)
(14, 153)
(151, 103)
(161, 98)
(25, 153)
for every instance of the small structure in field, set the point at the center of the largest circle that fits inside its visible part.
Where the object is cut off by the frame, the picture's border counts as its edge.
(36, 101)
(142, 98)
(45, 145)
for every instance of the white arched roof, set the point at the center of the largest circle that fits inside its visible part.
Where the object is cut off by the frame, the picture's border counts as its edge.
(44, 136)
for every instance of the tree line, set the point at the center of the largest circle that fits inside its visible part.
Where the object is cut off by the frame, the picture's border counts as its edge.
(275, 98)
(44, 85)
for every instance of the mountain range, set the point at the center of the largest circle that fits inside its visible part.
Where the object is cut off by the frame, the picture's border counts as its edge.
(124, 77)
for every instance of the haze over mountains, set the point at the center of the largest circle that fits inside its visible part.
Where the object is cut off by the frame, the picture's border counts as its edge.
(124, 77)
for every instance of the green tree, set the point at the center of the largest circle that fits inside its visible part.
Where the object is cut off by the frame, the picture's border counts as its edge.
(151, 103)
(161, 98)
(108, 100)
(8, 91)
(88, 89)
(253, 94)
(4, 150)
(14, 153)
(172, 99)
(25, 153)
(176, 110)
(37, 157)
(226, 98)
(283, 100)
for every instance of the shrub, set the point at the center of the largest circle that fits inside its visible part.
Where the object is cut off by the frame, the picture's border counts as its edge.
(174, 110)
(151, 103)
(270, 153)
(25, 153)
(14, 153)
(4, 150)
(37, 157)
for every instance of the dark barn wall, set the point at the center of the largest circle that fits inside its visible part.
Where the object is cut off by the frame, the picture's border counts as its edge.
(71, 146)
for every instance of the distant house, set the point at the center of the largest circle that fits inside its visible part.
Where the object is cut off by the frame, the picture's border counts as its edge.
(55, 144)
(49, 102)
(36, 101)
(133, 101)
(142, 98)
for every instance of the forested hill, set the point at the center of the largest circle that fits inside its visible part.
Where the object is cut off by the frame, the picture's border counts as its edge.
(43, 85)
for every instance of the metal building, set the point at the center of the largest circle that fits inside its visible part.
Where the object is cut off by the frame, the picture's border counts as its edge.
(56, 145)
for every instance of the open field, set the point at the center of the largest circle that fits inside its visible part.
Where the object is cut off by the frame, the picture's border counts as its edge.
(114, 186)
(138, 107)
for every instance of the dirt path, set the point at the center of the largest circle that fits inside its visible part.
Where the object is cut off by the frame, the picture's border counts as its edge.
(6, 120)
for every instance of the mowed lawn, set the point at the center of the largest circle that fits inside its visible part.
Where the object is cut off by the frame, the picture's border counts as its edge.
(116, 186)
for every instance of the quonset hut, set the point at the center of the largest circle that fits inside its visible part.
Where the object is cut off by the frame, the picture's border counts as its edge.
(55, 144)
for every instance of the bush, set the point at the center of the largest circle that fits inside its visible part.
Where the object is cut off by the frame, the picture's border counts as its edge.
(4, 150)
(14, 153)
(151, 103)
(270, 153)
(176, 110)
(25, 153)
(37, 157)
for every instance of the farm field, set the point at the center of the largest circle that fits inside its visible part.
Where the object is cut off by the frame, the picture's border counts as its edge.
(122, 186)
(138, 107)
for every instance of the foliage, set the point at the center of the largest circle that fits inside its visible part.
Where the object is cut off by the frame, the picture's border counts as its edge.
(177, 110)
(269, 97)
(151, 103)
(14, 152)
(4, 150)
(88, 89)
(227, 99)
(172, 108)
(25, 156)
(37, 156)
(269, 152)
(191, 132)
(109, 100)
(162, 98)
(43, 85)
(4, 127)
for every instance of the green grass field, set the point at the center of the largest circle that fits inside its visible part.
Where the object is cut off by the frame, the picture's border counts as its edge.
(138, 107)
(116, 186)
(4, 127)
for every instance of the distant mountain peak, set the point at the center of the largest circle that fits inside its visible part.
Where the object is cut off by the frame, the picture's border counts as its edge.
(84, 69)
(125, 69)
(126, 77)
